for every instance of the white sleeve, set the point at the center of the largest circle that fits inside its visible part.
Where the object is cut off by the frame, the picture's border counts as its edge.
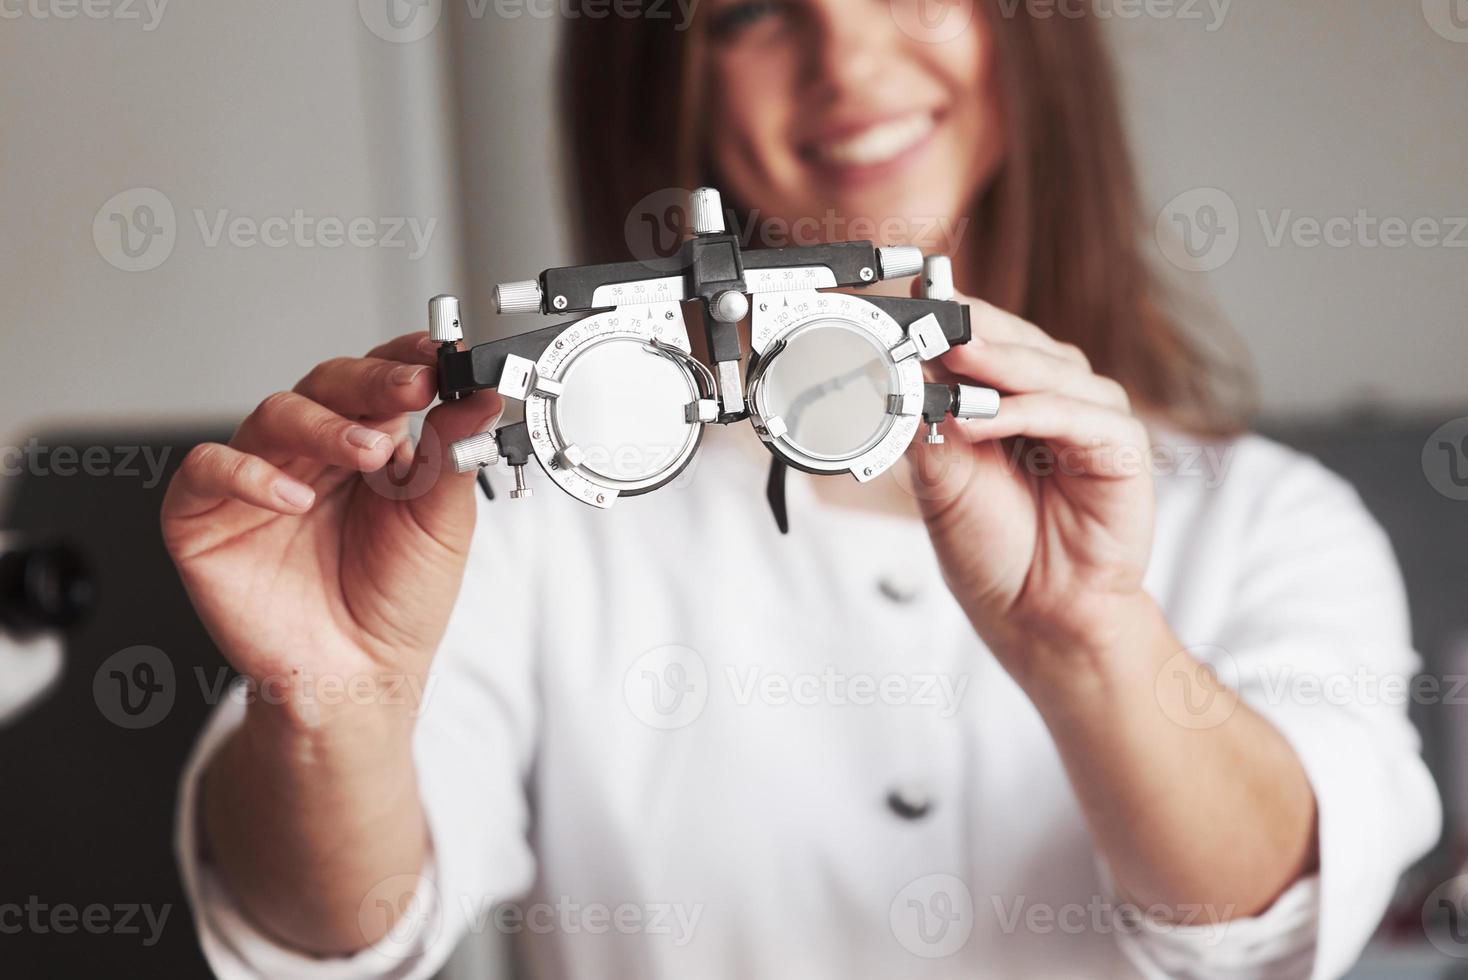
(1318, 642)
(473, 747)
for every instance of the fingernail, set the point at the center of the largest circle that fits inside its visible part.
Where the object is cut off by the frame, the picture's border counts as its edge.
(365, 438)
(428, 346)
(406, 374)
(296, 495)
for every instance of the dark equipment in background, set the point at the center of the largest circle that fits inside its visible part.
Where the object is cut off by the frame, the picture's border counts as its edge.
(88, 806)
(43, 586)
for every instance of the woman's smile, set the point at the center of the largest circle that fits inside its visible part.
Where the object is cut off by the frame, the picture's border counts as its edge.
(849, 154)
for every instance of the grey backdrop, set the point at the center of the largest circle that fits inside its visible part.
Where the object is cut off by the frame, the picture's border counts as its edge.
(1313, 108)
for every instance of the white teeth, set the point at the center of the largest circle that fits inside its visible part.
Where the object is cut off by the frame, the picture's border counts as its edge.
(879, 143)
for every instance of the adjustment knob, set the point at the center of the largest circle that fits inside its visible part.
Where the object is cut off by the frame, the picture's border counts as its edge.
(938, 277)
(443, 320)
(730, 306)
(708, 211)
(521, 491)
(900, 261)
(518, 297)
(474, 452)
(973, 402)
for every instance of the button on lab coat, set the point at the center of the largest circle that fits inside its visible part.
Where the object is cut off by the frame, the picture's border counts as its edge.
(664, 741)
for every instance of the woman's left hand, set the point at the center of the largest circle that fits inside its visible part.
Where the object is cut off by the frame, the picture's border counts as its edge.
(1042, 520)
(1042, 517)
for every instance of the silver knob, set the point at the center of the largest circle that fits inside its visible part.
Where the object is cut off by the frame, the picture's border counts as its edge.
(518, 297)
(900, 261)
(521, 491)
(443, 320)
(476, 451)
(708, 211)
(976, 403)
(730, 306)
(938, 278)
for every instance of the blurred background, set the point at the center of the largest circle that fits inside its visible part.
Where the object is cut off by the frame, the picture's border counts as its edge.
(202, 200)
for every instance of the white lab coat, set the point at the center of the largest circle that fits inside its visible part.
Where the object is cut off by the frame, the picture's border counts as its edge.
(682, 741)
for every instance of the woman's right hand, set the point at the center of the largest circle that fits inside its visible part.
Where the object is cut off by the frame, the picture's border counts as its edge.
(317, 546)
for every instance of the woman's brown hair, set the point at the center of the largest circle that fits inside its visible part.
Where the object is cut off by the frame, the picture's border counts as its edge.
(1061, 224)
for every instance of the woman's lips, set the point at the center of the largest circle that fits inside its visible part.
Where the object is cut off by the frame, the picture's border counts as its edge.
(871, 151)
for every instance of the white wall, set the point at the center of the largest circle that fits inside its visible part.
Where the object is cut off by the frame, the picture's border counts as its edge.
(254, 108)
(261, 108)
(509, 157)
(1323, 108)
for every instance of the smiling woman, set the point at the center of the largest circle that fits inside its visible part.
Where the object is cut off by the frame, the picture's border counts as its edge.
(1112, 634)
(968, 127)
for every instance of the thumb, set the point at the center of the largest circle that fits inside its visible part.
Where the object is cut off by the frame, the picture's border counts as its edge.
(442, 500)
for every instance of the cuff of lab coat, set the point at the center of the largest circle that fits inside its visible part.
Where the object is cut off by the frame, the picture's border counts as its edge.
(1377, 811)
(1279, 943)
(1371, 797)
(236, 948)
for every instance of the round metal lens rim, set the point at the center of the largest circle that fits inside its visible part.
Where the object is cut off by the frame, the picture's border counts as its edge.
(547, 441)
(771, 326)
(768, 365)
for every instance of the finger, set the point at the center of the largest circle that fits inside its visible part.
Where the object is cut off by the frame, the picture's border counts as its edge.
(445, 508)
(991, 323)
(212, 474)
(1098, 441)
(411, 348)
(370, 386)
(1022, 369)
(290, 426)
